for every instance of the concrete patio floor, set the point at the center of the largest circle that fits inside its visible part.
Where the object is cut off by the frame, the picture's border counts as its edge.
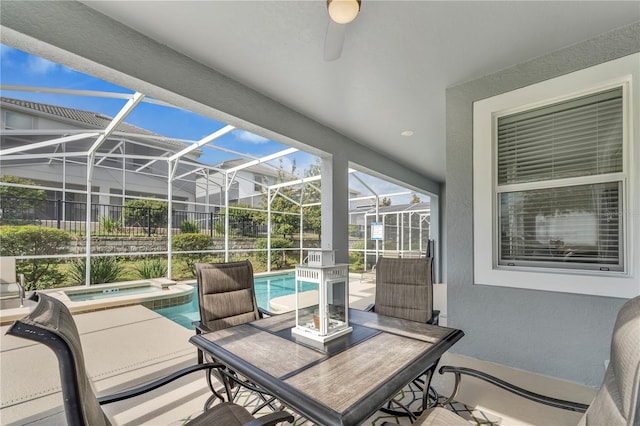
(128, 346)
(123, 347)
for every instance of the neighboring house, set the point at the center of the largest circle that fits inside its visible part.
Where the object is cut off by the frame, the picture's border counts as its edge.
(25, 123)
(131, 158)
(247, 186)
(60, 165)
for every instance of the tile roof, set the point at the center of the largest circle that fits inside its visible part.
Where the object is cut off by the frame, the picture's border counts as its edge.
(86, 119)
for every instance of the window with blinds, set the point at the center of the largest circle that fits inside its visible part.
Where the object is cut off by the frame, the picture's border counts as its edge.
(560, 184)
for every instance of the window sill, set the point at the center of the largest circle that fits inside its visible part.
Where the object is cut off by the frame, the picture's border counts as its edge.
(609, 284)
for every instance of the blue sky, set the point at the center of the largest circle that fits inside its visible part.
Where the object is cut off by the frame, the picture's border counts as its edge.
(21, 68)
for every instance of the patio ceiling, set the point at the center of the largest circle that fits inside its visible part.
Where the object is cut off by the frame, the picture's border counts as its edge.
(398, 58)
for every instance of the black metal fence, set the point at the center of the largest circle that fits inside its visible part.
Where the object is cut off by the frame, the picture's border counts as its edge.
(117, 220)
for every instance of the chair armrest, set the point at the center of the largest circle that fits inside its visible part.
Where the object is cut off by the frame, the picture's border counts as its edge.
(108, 399)
(264, 312)
(542, 399)
(200, 327)
(271, 419)
(370, 308)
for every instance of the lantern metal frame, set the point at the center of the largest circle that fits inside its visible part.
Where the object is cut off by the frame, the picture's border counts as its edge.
(329, 317)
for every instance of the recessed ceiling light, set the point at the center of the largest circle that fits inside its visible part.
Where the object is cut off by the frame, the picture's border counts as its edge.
(407, 133)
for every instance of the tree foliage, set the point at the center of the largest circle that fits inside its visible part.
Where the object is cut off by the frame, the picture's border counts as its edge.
(31, 240)
(385, 202)
(356, 257)
(16, 200)
(243, 211)
(312, 215)
(278, 257)
(146, 213)
(285, 219)
(415, 199)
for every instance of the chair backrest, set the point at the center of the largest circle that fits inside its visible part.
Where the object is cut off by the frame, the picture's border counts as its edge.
(52, 324)
(226, 295)
(617, 401)
(404, 288)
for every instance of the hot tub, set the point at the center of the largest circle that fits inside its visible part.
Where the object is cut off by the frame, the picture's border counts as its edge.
(110, 292)
(151, 293)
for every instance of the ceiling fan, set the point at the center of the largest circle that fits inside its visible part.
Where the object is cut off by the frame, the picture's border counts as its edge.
(341, 12)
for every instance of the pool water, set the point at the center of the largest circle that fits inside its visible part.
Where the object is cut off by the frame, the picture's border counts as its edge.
(266, 288)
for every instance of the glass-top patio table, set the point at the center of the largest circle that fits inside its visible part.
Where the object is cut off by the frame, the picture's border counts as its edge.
(342, 382)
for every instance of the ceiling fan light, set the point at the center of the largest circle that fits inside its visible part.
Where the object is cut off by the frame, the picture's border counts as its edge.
(343, 11)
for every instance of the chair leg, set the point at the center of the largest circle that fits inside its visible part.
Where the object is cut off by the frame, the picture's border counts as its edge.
(425, 386)
(266, 402)
(232, 387)
(428, 375)
(214, 393)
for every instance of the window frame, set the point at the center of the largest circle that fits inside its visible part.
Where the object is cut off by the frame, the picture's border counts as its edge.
(618, 177)
(623, 72)
(8, 112)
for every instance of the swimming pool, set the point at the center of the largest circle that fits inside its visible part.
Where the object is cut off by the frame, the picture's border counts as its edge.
(266, 287)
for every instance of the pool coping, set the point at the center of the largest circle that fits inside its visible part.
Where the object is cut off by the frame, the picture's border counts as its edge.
(172, 293)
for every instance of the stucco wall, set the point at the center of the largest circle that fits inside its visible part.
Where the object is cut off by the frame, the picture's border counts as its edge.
(556, 334)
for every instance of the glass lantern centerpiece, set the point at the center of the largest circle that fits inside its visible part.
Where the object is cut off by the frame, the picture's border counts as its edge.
(322, 295)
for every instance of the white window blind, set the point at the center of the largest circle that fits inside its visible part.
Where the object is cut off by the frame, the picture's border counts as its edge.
(560, 183)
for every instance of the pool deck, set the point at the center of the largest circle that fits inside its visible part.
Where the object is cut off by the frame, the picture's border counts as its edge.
(131, 345)
(167, 291)
(123, 347)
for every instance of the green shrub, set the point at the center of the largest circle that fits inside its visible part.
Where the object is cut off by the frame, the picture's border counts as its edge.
(190, 227)
(110, 225)
(354, 230)
(103, 270)
(243, 211)
(190, 242)
(31, 240)
(19, 204)
(356, 257)
(278, 257)
(218, 228)
(146, 213)
(151, 268)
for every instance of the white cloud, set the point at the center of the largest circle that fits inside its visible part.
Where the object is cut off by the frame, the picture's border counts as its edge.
(40, 66)
(245, 136)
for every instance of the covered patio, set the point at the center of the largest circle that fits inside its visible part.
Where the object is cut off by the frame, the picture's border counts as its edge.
(402, 102)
